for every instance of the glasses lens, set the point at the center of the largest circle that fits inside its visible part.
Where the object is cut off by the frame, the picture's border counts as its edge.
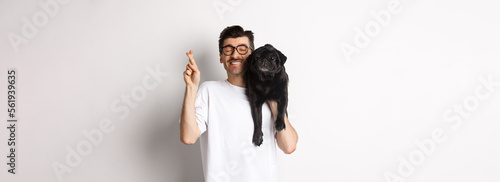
(242, 49)
(227, 50)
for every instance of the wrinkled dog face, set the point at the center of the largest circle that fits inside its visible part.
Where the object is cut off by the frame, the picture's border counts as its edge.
(267, 61)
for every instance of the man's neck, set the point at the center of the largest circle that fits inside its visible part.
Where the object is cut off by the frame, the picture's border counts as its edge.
(236, 80)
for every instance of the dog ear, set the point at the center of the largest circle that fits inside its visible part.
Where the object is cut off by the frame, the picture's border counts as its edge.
(281, 56)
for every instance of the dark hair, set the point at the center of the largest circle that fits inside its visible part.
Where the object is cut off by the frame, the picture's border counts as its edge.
(235, 31)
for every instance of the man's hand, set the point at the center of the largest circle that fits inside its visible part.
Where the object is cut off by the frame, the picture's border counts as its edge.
(192, 74)
(273, 105)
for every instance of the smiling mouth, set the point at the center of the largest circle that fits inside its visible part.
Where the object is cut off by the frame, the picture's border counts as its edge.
(235, 62)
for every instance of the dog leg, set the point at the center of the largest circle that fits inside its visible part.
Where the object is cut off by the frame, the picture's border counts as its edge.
(256, 107)
(280, 120)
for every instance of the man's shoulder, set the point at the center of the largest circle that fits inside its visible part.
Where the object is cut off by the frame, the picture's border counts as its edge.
(212, 84)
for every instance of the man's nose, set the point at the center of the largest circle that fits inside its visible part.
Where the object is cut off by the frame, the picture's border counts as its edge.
(235, 55)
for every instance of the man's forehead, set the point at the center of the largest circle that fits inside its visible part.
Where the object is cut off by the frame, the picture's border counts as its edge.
(236, 41)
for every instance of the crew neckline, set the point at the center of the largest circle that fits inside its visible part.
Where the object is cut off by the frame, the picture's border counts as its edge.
(241, 89)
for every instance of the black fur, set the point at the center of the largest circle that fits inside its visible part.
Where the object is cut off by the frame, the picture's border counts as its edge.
(266, 79)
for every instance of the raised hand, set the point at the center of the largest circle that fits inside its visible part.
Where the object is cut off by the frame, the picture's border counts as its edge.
(192, 74)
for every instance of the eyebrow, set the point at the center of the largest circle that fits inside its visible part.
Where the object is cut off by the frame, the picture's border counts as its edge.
(235, 46)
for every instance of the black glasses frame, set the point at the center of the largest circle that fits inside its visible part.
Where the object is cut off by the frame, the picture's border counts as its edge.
(235, 48)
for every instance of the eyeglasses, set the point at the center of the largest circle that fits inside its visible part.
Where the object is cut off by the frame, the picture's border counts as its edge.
(241, 49)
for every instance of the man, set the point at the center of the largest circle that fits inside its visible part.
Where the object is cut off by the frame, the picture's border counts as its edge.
(219, 112)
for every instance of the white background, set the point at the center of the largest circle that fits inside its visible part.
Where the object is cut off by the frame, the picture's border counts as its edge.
(356, 118)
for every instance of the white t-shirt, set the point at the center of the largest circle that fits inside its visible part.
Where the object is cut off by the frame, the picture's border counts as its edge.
(224, 117)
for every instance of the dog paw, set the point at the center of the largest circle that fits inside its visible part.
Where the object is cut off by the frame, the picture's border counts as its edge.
(280, 125)
(257, 139)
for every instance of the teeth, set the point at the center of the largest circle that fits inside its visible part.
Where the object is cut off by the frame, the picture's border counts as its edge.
(235, 62)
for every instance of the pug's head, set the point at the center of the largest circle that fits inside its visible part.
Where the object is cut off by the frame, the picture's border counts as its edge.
(266, 62)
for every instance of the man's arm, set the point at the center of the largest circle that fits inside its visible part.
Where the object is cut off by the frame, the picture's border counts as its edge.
(286, 138)
(188, 126)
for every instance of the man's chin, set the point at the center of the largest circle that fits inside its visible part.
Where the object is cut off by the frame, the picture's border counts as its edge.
(235, 71)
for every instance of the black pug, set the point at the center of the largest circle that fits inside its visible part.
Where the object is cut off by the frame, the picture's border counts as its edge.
(266, 79)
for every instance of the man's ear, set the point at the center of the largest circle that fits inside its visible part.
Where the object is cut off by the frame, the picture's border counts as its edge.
(281, 56)
(220, 58)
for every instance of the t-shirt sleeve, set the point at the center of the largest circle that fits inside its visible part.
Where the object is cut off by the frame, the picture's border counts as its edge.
(201, 107)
